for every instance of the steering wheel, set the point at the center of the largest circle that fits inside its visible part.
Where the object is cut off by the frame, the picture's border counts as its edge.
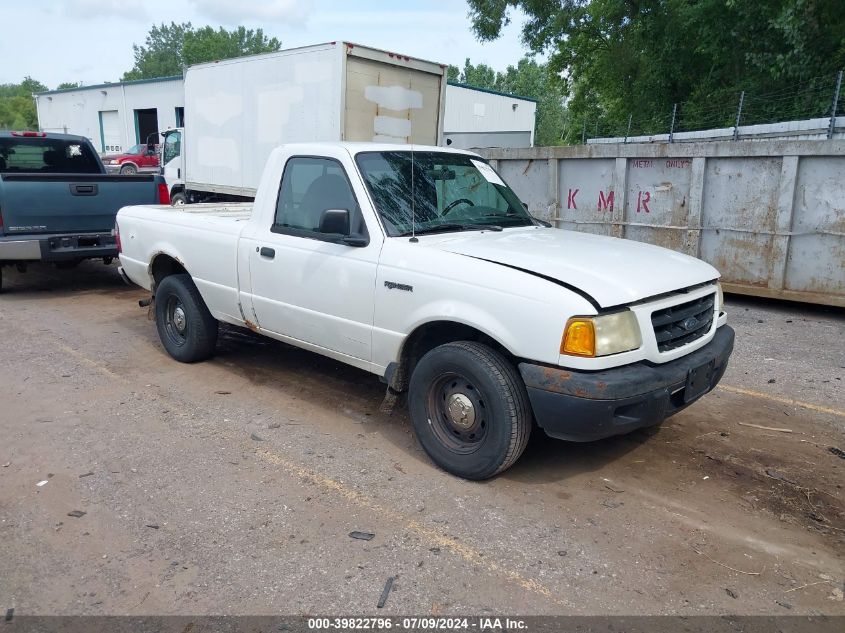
(455, 203)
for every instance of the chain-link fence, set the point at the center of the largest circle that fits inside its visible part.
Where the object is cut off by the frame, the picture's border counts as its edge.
(818, 98)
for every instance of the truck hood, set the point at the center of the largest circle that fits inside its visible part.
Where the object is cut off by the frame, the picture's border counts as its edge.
(611, 271)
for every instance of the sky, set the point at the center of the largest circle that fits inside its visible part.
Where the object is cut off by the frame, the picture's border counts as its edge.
(90, 41)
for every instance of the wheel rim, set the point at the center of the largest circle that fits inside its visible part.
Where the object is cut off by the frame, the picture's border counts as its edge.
(175, 320)
(178, 202)
(457, 413)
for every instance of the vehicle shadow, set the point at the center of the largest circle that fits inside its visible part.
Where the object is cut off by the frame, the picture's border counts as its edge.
(42, 281)
(549, 460)
(357, 395)
(42, 278)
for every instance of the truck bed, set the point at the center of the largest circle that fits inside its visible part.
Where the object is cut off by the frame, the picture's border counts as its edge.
(211, 210)
(206, 235)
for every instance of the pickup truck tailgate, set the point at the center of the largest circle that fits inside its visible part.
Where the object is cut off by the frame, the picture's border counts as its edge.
(69, 203)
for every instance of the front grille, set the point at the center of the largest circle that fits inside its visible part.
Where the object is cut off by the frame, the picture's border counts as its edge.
(679, 325)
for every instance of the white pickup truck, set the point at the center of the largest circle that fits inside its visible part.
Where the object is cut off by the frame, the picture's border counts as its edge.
(420, 265)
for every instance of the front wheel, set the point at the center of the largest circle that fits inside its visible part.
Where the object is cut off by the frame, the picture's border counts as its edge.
(469, 409)
(185, 326)
(178, 199)
(128, 170)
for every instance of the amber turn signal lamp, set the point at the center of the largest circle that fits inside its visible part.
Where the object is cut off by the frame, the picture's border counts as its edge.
(579, 338)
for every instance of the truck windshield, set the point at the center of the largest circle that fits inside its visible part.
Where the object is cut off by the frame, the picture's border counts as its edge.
(438, 192)
(46, 155)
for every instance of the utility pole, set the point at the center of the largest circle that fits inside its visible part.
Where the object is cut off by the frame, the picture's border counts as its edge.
(832, 125)
(584, 132)
(738, 115)
(672, 126)
(628, 133)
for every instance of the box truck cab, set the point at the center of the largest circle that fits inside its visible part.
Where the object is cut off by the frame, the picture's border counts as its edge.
(239, 110)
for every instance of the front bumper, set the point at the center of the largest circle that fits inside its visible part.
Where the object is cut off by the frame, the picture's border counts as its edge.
(582, 406)
(58, 247)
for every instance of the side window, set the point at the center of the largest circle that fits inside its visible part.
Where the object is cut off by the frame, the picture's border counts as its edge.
(172, 146)
(309, 187)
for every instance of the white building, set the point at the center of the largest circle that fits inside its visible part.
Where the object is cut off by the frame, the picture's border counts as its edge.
(476, 117)
(114, 116)
(118, 115)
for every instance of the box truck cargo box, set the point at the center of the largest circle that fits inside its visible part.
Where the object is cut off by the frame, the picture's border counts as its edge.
(237, 111)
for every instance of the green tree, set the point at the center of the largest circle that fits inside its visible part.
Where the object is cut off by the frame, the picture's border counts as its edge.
(480, 75)
(17, 107)
(67, 85)
(638, 57)
(527, 79)
(169, 48)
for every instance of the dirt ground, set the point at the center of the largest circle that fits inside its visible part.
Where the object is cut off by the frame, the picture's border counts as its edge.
(231, 486)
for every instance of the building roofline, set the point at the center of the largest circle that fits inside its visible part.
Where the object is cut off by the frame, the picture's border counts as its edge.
(492, 92)
(115, 84)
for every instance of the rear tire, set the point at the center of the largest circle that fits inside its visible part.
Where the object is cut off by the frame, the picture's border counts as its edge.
(185, 326)
(470, 409)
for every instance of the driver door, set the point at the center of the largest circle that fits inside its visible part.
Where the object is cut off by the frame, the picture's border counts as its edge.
(305, 285)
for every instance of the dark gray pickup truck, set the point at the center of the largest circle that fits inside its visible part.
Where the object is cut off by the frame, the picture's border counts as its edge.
(57, 204)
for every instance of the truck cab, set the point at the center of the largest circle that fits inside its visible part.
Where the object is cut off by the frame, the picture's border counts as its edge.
(172, 165)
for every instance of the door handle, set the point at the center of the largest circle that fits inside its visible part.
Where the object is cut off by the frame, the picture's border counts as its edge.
(269, 253)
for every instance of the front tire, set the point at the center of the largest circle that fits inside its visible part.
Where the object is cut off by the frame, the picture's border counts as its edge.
(178, 200)
(185, 326)
(128, 170)
(470, 409)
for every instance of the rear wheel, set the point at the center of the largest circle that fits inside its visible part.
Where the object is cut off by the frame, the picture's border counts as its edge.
(185, 326)
(469, 409)
(128, 170)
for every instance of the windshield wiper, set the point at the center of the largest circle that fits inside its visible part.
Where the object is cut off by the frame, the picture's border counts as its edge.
(452, 226)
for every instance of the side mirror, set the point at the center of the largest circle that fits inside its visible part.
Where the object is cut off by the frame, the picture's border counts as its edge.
(335, 221)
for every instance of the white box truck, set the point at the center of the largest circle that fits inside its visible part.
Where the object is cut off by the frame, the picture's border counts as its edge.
(238, 110)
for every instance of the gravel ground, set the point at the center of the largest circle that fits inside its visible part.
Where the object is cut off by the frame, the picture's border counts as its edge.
(231, 486)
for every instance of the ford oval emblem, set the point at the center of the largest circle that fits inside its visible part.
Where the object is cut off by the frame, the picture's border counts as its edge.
(689, 324)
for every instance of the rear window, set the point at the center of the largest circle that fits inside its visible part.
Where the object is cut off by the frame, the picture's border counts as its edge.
(46, 156)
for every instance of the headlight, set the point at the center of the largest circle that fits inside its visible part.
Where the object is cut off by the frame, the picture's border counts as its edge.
(720, 299)
(601, 335)
(113, 162)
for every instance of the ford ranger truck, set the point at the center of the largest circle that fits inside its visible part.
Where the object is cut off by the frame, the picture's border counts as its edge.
(57, 204)
(421, 266)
